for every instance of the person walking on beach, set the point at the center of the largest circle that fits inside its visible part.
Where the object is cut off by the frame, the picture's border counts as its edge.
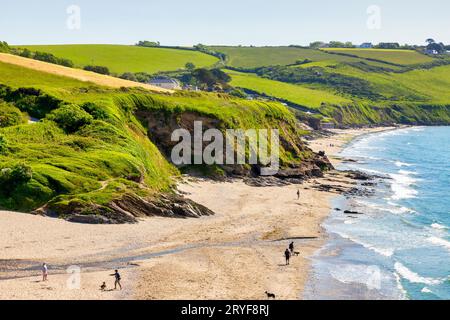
(291, 247)
(44, 272)
(298, 194)
(287, 254)
(117, 277)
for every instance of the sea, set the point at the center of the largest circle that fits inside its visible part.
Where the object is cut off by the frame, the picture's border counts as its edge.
(399, 246)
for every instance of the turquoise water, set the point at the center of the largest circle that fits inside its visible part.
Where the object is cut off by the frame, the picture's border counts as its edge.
(400, 247)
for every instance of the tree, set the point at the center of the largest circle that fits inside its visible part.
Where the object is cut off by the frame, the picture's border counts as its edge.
(4, 47)
(430, 41)
(190, 66)
(438, 47)
(317, 45)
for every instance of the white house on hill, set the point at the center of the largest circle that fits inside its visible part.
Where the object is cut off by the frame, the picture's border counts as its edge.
(366, 45)
(166, 83)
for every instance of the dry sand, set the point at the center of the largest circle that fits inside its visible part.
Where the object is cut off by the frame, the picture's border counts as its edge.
(78, 74)
(236, 254)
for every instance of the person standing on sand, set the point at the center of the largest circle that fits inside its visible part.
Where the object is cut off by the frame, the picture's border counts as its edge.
(117, 280)
(298, 194)
(291, 247)
(287, 254)
(44, 272)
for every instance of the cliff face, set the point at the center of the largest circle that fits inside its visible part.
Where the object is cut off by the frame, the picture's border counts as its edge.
(102, 156)
(297, 161)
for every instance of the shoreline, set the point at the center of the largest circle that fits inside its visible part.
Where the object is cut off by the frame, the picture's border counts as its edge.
(236, 254)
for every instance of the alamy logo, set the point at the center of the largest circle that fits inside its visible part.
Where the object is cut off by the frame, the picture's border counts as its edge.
(74, 19)
(229, 149)
(374, 18)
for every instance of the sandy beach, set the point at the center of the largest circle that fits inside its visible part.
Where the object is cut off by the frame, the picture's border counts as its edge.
(235, 254)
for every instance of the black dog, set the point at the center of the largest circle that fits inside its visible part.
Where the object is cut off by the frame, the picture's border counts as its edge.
(270, 295)
(296, 253)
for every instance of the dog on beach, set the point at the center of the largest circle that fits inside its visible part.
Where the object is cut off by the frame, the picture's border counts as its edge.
(296, 253)
(103, 286)
(270, 295)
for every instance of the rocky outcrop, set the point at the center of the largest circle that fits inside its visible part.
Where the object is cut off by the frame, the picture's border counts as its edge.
(127, 209)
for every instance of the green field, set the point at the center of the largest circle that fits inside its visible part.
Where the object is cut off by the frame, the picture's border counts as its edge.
(400, 57)
(431, 86)
(253, 57)
(294, 93)
(120, 58)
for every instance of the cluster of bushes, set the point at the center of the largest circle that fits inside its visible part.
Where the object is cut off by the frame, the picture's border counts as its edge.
(10, 115)
(14, 177)
(148, 44)
(70, 117)
(97, 69)
(208, 80)
(316, 75)
(202, 48)
(3, 144)
(142, 77)
(32, 101)
(43, 56)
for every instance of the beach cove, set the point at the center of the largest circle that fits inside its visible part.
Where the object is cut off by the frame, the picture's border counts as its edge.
(235, 254)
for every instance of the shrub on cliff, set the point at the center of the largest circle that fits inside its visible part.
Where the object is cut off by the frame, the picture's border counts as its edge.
(70, 117)
(10, 115)
(3, 144)
(15, 176)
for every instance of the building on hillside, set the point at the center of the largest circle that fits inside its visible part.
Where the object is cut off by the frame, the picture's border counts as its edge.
(433, 52)
(366, 45)
(165, 83)
(189, 87)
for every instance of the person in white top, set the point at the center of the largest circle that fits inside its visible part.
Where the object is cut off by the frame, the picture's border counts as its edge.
(44, 272)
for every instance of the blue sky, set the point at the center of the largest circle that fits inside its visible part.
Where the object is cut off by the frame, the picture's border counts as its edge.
(231, 22)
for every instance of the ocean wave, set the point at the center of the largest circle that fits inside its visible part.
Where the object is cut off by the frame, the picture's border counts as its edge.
(402, 164)
(438, 226)
(401, 186)
(387, 252)
(413, 277)
(363, 274)
(439, 241)
(391, 207)
(426, 290)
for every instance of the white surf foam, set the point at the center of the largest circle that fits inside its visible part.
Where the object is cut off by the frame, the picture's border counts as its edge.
(426, 290)
(402, 164)
(439, 242)
(402, 186)
(413, 277)
(438, 226)
(387, 252)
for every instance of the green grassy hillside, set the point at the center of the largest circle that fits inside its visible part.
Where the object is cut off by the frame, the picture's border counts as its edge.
(294, 93)
(89, 151)
(254, 57)
(120, 58)
(401, 57)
